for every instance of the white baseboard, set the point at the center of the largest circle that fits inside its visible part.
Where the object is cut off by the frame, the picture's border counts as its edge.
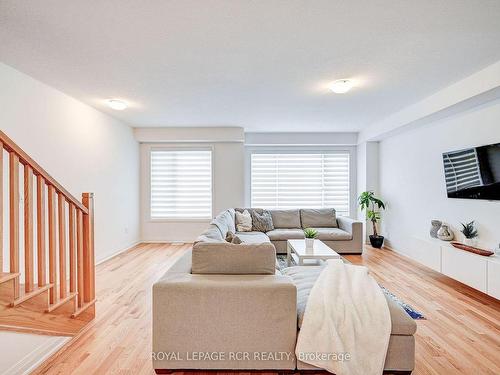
(116, 253)
(174, 242)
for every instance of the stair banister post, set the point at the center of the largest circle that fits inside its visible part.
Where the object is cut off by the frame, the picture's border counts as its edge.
(88, 248)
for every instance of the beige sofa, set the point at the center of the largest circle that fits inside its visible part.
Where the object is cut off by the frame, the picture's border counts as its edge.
(214, 310)
(226, 306)
(342, 234)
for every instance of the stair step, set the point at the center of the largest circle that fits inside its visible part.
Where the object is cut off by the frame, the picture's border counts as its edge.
(62, 301)
(83, 308)
(5, 276)
(23, 297)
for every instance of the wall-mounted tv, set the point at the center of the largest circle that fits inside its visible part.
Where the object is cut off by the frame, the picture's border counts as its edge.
(473, 173)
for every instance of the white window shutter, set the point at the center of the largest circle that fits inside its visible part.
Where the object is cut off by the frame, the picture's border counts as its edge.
(305, 180)
(181, 184)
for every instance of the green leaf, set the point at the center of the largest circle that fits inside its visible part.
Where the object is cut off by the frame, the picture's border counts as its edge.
(310, 233)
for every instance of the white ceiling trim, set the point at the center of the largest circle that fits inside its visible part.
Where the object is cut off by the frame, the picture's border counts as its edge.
(477, 89)
(190, 135)
(301, 138)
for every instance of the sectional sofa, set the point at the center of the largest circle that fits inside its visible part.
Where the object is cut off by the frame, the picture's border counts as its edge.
(225, 306)
(342, 234)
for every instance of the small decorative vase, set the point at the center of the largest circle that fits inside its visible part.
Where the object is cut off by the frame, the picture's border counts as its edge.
(444, 233)
(309, 243)
(435, 225)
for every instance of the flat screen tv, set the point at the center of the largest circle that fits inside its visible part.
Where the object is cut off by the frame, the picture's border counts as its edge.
(473, 173)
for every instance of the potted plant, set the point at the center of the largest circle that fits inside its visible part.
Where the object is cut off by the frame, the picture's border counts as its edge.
(310, 234)
(470, 233)
(367, 201)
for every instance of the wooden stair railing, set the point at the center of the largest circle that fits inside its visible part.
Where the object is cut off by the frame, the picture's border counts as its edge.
(69, 257)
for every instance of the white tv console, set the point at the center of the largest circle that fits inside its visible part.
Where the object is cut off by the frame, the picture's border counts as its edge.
(479, 272)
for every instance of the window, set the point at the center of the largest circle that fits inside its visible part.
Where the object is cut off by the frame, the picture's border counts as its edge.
(181, 184)
(294, 180)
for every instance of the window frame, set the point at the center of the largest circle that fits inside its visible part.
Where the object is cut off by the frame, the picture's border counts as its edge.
(152, 148)
(350, 150)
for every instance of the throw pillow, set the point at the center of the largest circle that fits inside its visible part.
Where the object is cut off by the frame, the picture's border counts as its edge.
(236, 240)
(262, 222)
(243, 221)
(229, 236)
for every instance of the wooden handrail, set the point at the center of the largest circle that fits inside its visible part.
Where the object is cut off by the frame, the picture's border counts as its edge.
(69, 241)
(9, 145)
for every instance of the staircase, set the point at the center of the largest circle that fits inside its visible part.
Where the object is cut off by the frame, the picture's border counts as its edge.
(49, 286)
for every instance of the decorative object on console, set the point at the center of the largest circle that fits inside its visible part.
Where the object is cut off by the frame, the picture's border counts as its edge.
(470, 233)
(243, 221)
(262, 222)
(310, 235)
(445, 233)
(472, 249)
(435, 225)
(367, 201)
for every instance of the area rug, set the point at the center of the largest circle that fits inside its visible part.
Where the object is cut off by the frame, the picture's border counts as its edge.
(414, 314)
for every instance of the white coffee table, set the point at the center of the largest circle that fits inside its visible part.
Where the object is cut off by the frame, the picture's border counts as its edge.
(319, 251)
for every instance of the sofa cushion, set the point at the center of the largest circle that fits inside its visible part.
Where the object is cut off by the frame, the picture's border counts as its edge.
(211, 234)
(285, 234)
(225, 222)
(318, 218)
(283, 219)
(304, 278)
(333, 234)
(262, 222)
(230, 259)
(243, 221)
(252, 237)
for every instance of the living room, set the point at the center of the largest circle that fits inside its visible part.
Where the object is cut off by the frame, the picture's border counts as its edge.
(243, 159)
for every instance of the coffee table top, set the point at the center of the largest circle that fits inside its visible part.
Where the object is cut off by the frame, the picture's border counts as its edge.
(319, 249)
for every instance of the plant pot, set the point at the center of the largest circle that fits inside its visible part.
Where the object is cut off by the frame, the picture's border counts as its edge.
(309, 243)
(376, 241)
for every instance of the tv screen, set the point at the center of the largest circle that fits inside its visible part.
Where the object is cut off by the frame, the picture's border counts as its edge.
(473, 173)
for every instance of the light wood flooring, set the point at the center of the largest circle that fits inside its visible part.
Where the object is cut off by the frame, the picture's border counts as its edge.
(460, 336)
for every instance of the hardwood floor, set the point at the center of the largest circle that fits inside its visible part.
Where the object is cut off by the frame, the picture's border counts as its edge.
(460, 336)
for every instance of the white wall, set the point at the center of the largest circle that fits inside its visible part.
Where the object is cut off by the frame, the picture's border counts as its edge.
(412, 177)
(82, 148)
(228, 176)
(367, 176)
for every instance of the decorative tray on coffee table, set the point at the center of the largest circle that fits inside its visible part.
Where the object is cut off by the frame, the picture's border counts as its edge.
(472, 249)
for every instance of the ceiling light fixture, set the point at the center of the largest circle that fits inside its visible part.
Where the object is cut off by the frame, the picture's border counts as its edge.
(117, 105)
(341, 86)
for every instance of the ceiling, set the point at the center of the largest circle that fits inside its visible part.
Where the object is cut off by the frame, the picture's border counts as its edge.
(261, 64)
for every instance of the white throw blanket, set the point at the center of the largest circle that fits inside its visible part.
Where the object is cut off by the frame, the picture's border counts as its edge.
(347, 324)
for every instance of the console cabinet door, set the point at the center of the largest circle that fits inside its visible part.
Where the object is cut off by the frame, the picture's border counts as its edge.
(465, 267)
(494, 279)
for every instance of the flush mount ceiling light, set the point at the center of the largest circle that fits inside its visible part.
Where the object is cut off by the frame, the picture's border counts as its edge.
(341, 86)
(116, 104)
